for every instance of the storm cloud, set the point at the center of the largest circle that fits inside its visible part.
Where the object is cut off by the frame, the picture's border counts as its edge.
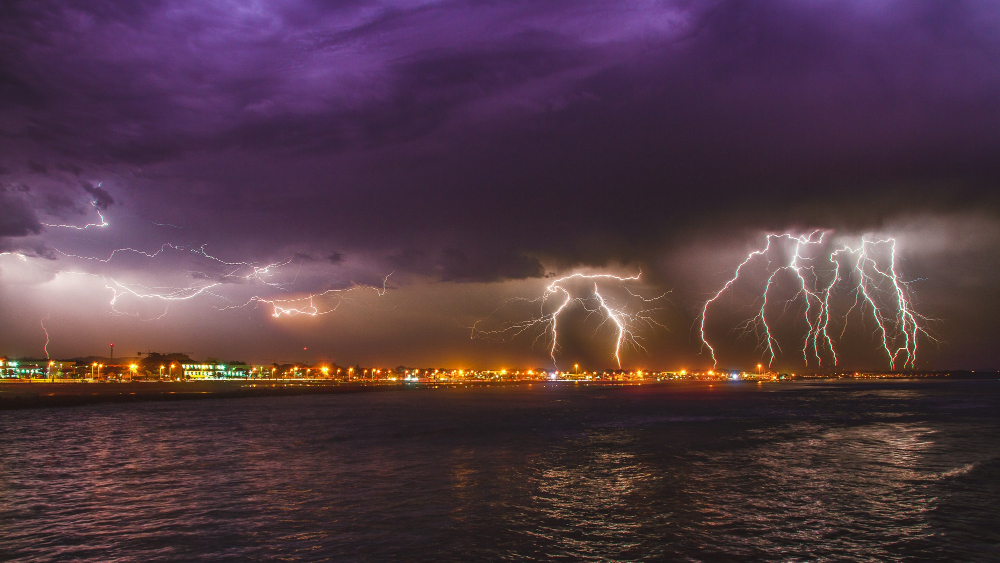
(18, 219)
(462, 142)
(102, 199)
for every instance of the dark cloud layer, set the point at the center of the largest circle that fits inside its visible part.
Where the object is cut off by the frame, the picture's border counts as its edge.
(660, 113)
(17, 218)
(102, 199)
(468, 141)
(452, 264)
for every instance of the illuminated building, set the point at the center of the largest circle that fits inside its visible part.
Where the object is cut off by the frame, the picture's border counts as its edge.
(23, 368)
(215, 371)
(8, 368)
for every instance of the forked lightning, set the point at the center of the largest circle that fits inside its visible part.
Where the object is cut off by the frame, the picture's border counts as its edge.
(626, 323)
(871, 283)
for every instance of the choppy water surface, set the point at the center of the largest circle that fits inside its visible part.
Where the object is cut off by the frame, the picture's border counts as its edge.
(906, 471)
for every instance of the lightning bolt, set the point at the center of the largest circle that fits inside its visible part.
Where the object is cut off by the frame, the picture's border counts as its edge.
(306, 305)
(100, 225)
(237, 272)
(46, 331)
(120, 289)
(867, 268)
(626, 323)
(166, 294)
(114, 252)
(255, 272)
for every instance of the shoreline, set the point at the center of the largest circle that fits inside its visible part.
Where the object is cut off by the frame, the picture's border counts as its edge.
(18, 395)
(25, 395)
(30, 395)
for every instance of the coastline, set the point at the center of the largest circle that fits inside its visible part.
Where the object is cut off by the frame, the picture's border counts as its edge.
(17, 395)
(24, 395)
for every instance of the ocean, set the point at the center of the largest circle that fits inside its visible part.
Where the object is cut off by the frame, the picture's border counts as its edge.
(686, 471)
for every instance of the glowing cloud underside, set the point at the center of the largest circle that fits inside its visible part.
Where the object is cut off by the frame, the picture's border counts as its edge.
(235, 272)
(627, 323)
(865, 276)
(308, 304)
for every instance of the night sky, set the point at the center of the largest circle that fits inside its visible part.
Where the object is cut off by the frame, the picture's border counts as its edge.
(474, 152)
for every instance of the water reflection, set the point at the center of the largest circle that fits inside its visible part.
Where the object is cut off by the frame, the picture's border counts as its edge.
(808, 490)
(846, 473)
(583, 505)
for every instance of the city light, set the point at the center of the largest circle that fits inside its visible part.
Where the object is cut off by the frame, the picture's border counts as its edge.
(206, 371)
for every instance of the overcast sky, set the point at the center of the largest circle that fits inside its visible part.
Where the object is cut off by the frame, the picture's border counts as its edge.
(475, 152)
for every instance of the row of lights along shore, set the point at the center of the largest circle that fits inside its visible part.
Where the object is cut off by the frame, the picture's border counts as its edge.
(137, 370)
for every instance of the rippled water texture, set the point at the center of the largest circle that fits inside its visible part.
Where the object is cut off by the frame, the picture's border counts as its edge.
(900, 471)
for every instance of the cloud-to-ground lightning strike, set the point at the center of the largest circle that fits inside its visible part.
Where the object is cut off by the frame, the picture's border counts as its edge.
(46, 331)
(626, 323)
(868, 271)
